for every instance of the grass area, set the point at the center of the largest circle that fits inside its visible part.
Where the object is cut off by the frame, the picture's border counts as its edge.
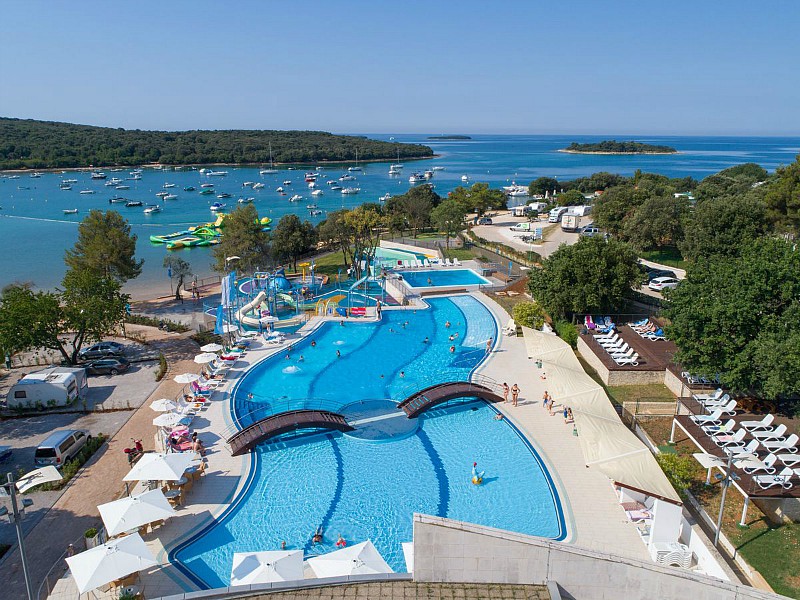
(665, 256)
(207, 337)
(330, 264)
(655, 392)
(459, 253)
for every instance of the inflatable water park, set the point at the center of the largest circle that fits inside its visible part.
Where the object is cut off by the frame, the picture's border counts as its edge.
(207, 234)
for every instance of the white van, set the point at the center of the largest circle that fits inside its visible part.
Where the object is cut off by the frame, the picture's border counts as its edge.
(521, 227)
(556, 213)
(60, 447)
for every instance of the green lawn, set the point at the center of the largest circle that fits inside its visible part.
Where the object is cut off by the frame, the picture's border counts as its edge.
(666, 256)
(459, 253)
(329, 264)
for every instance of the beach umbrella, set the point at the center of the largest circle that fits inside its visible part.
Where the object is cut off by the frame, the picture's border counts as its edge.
(408, 554)
(212, 347)
(361, 559)
(266, 567)
(187, 377)
(132, 512)
(163, 405)
(154, 466)
(113, 560)
(167, 420)
(204, 358)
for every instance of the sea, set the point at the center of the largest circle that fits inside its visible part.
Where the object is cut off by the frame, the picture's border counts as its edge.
(35, 231)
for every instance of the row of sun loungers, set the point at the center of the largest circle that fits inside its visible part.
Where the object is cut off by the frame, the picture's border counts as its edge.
(782, 451)
(426, 264)
(617, 348)
(648, 330)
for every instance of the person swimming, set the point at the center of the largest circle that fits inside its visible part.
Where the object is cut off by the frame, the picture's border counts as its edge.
(316, 538)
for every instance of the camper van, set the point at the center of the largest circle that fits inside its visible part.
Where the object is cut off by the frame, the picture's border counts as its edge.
(556, 213)
(60, 447)
(524, 211)
(56, 386)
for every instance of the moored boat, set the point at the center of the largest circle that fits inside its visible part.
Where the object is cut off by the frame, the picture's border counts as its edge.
(70, 211)
(133, 203)
(152, 209)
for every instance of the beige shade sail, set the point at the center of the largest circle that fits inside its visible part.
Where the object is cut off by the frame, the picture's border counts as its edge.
(606, 442)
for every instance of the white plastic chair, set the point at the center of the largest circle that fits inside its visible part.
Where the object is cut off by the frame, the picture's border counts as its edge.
(713, 418)
(763, 424)
(781, 479)
(456, 262)
(767, 465)
(706, 397)
(775, 434)
(789, 444)
(628, 360)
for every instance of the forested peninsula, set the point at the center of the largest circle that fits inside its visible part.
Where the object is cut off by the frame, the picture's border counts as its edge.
(27, 143)
(615, 147)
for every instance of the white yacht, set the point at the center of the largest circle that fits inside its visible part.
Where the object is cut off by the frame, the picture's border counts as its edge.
(272, 170)
(385, 197)
(207, 185)
(351, 190)
(347, 177)
(287, 182)
(465, 178)
(258, 186)
(171, 197)
(98, 175)
(438, 168)
(316, 193)
(416, 178)
(169, 185)
(279, 189)
(295, 198)
(428, 174)
(216, 173)
(152, 209)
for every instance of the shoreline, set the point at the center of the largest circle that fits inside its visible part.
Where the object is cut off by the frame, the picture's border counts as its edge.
(566, 151)
(197, 166)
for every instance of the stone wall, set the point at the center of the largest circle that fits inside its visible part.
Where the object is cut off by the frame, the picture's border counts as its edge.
(446, 550)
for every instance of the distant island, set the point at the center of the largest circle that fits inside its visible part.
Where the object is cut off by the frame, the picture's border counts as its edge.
(615, 147)
(449, 137)
(32, 144)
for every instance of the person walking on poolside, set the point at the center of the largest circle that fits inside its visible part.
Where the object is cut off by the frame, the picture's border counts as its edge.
(514, 394)
(545, 399)
(489, 345)
(378, 308)
(505, 392)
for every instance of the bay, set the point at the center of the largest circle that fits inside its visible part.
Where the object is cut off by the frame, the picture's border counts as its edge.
(35, 232)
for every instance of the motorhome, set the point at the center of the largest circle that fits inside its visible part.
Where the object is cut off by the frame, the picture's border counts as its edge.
(56, 386)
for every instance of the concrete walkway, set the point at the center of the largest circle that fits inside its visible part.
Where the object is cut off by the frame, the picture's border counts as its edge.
(594, 517)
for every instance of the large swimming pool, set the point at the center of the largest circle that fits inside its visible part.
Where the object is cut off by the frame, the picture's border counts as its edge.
(443, 278)
(369, 486)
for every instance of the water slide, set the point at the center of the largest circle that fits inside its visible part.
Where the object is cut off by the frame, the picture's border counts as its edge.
(288, 299)
(241, 314)
(359, 282)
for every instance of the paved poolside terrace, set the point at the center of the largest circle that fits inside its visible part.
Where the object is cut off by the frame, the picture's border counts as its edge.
(594, 519)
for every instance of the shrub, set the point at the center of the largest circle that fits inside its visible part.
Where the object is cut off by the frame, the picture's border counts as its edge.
(90, 533)
(162, 367)
(172, 326)
(529, 314)
(567, 332)
(678, 469)
(207, 337)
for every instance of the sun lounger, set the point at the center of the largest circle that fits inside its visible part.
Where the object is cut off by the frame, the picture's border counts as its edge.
(724, 429)
(456, 262)
(426, 263)
(763, 424)
(789, 444)
(621, 352)
(750, 448)
(406, 264)
(638, 515)
(605, 336)
(775, 434)
(767, 465)
(510, 328)
(724, 441)
(708, 397)
(712, 419)
(718, 403)
(727, 409)
(609, 341)
(766, 482)
(628, 360)
(790, 460)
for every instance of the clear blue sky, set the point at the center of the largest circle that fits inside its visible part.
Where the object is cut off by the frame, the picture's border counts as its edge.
(636, 67)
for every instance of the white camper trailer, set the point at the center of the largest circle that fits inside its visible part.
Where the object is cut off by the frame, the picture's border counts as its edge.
(56, 386)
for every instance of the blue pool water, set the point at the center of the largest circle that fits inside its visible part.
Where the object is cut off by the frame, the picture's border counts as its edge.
(442, 278)
(370, 489)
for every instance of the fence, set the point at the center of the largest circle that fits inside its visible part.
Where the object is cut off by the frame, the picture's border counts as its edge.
(648, 407)
(59, 568)
(526, 259)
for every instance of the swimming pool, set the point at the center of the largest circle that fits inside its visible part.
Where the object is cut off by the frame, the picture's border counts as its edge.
(370, 489)
(443, 278)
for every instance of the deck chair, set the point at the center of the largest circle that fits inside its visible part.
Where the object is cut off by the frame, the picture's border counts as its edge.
(621, 352)
(775, 434)
(763, 424)
(447, 263)
(510, 328)
(726, 441)
(719, 402)
(709, 397)
(767, 465)
(790, 460)
(727, 409)
(610, 341)
(789, 444)
(781, 479)
(456, 262)
(605, 336)
(426, 263)
(632, 360)
(406, 264)
(712, 419)
(750, 448)
(724, 429)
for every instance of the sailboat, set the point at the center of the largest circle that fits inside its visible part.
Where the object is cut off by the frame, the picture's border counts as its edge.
(272, 168)
(356, 167)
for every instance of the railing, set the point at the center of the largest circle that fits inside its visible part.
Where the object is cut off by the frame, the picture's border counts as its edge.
(59, 567)
(647, 407)
(208, 281)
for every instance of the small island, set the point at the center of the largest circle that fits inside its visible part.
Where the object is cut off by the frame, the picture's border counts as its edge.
(615, 147)
(449, 137)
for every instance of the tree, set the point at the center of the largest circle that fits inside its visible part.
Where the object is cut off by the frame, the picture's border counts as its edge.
(336, 233)
(292, 238)
(723, 226)
(657, 222)
(731, 181)
(180, 270)
(783, 199)
(529, 314)
(479, 198)
(365, 224)
(88, 308)
(542, 185)
(416, 206)
(105, 247)
(740, 316)
(243, 237)
(613, 207)
(449, 218)
(571, 198)
(591, 276)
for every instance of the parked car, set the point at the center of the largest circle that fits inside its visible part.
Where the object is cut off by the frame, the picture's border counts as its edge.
(663, 283)
(107, 366)
(656, 273)
(590, 231)
(484, 221)
(61, 447)
(102, 350)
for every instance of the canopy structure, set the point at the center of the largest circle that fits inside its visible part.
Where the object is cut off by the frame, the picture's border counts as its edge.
(606, 442)
(167, 420)
(160, 467)
(360, 559)
(212, 347)
(205, 357)
(37, 477)
(266, 567)
(113, 560)
(129, 513)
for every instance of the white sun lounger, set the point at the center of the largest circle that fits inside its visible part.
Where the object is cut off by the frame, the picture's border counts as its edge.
(628, 360)
(724, 429)
(406, 264)
(426, 263)
(781, 479)
(767, 465)
(763, 424)
(724, 441)
(712, 419)
(790, 460)
(456, 262)
(775, 434)
(706, 397)
(789, 444)
(510, 328)
(727, 409)
(719, 402)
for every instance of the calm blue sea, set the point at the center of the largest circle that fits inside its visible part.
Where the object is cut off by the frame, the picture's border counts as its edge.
(34, 232)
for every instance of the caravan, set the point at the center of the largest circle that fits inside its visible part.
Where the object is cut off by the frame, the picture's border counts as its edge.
(56, 386)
